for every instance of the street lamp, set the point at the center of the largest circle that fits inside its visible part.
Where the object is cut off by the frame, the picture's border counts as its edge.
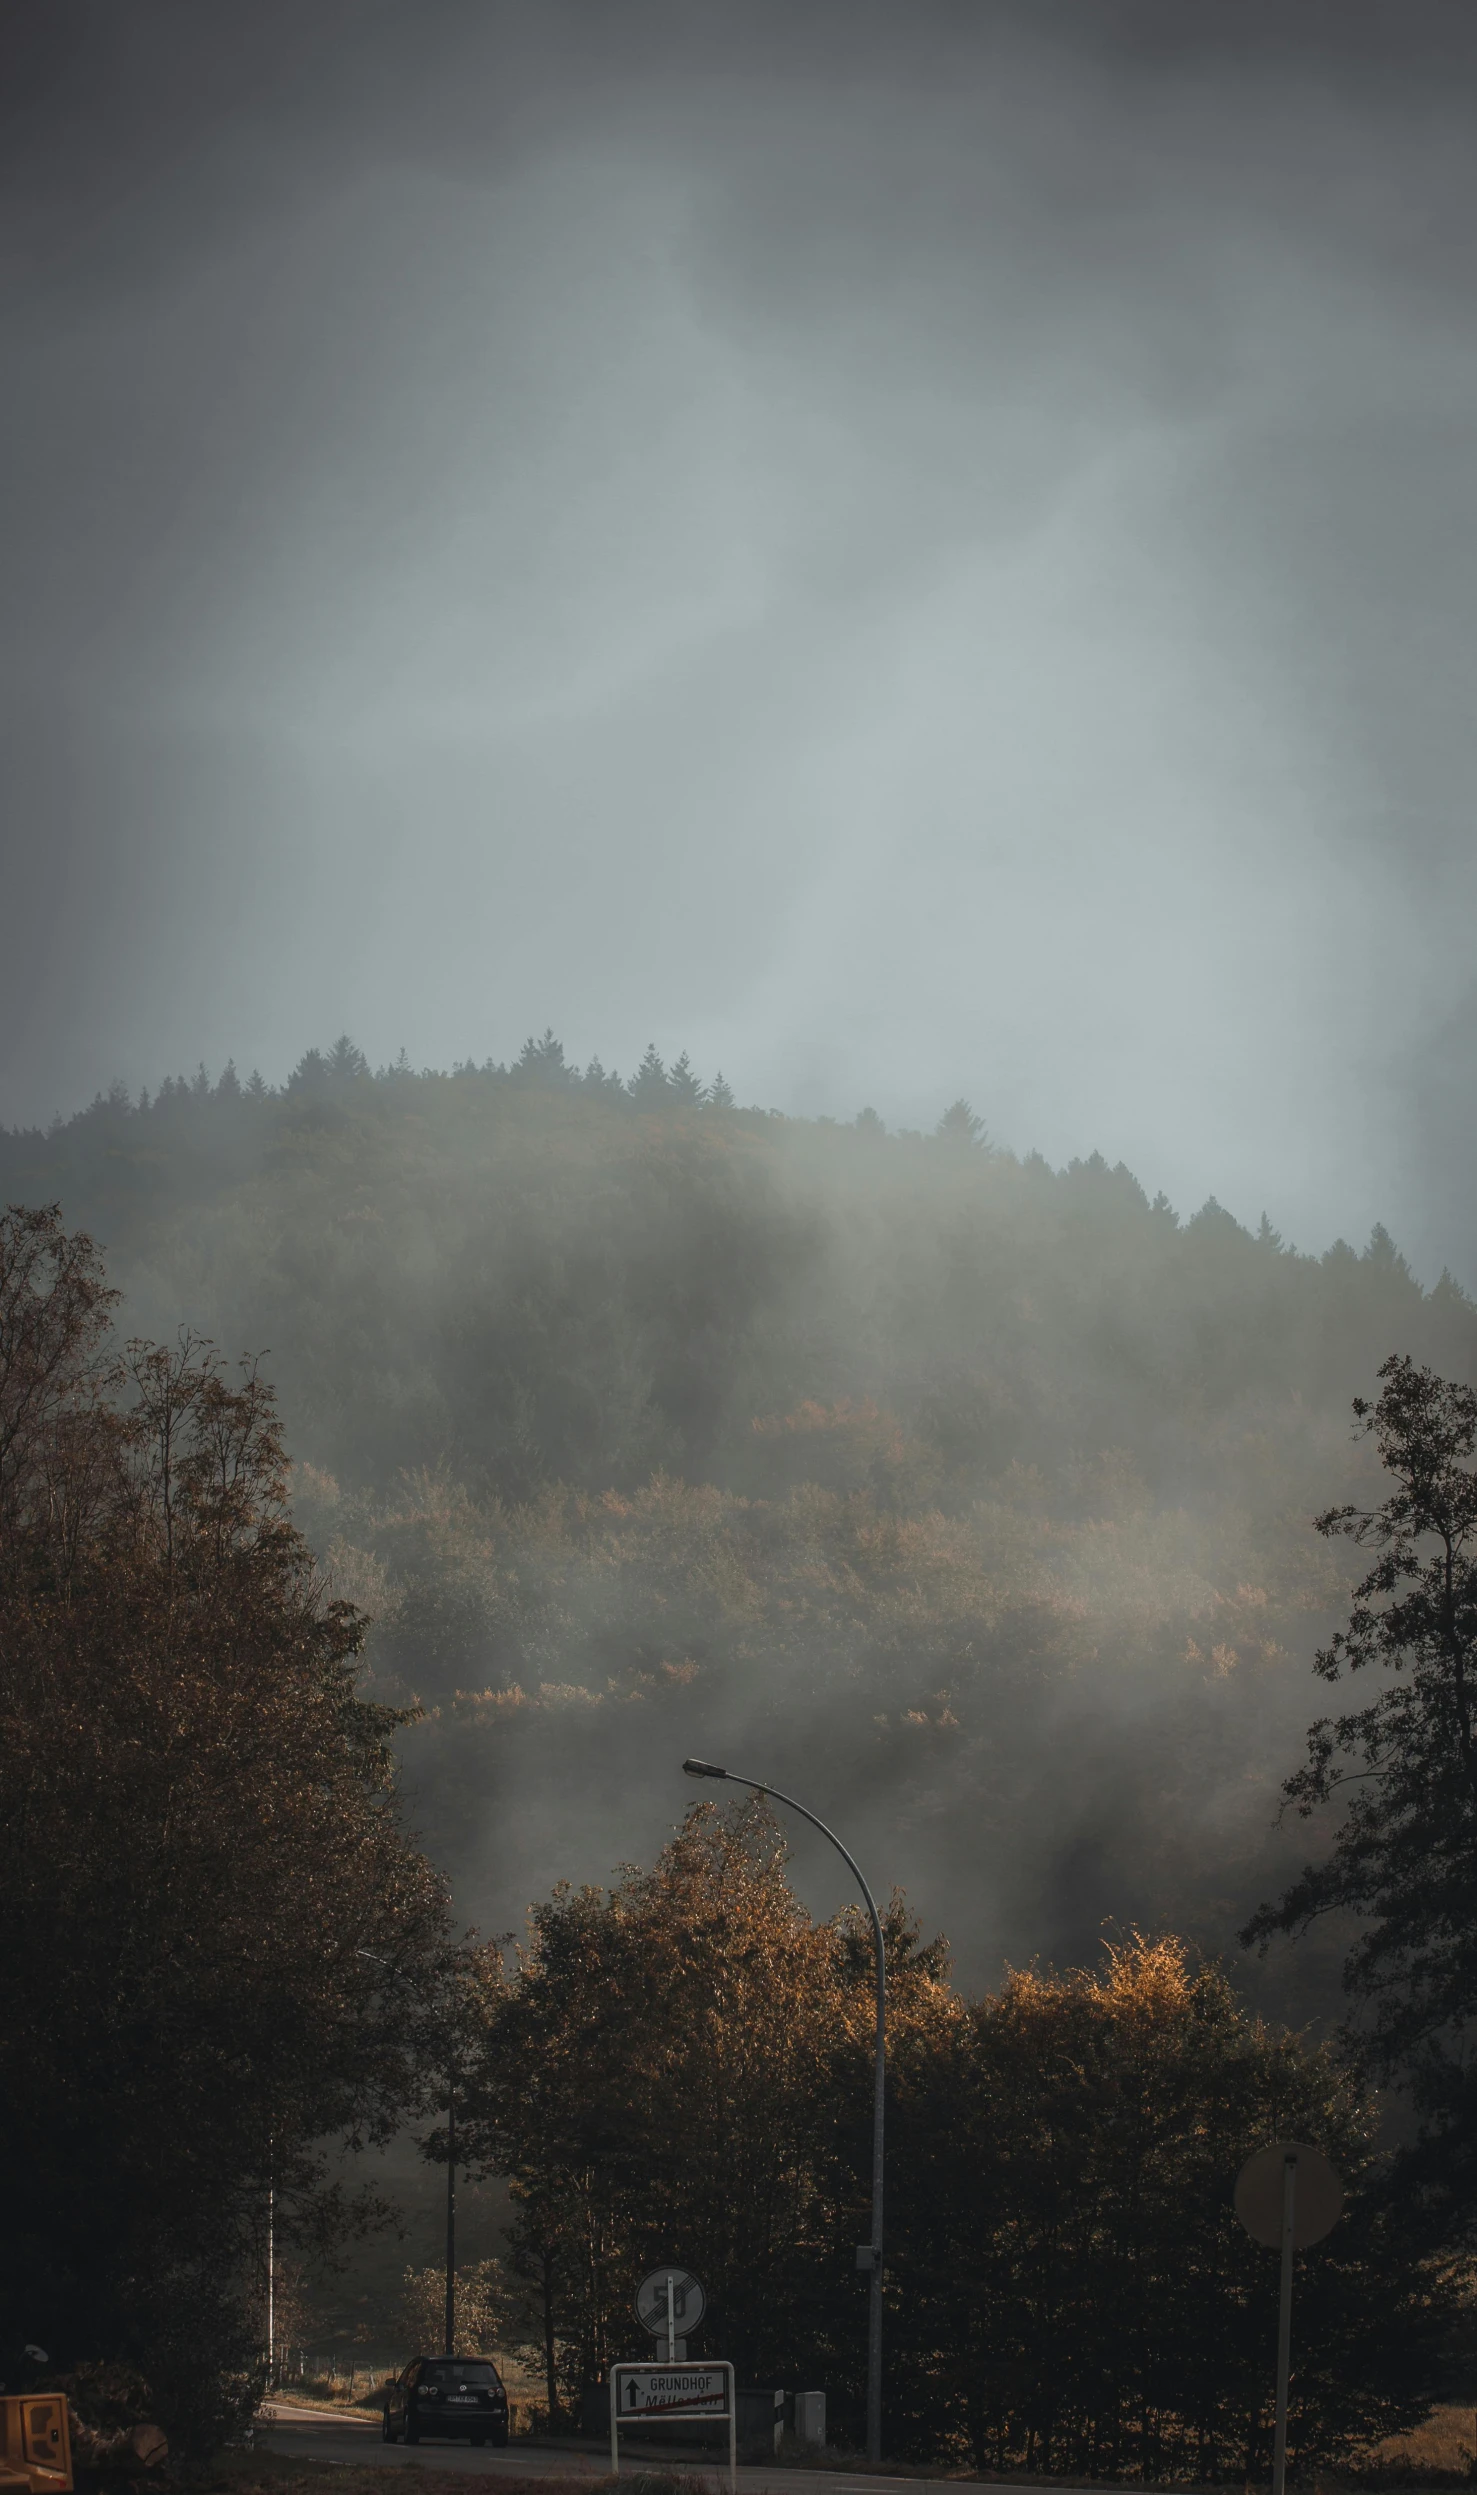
(868, 2256)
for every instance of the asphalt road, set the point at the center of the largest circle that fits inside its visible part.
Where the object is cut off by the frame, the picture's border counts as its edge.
(357, 2439)
(309, 2437)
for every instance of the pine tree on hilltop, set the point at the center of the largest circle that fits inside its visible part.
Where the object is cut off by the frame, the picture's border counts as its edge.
(650, 1086)
(345, 1063)
(542, 1061)
(720, 1095)
(959, 1125)
(684, 1084)
(603, 1086)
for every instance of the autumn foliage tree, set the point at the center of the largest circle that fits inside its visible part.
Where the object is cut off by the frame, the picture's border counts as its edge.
(684, 2061)
(1072, 2290)
(483, 2307)
(678, 2068)
(198, 1839)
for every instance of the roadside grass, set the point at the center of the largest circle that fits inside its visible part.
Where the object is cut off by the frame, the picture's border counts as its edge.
(1446, 2442)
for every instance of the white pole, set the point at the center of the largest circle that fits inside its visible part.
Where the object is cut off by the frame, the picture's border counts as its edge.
(615, 2421)
(1284, 2322)
(671, 2319)
(732, 2435)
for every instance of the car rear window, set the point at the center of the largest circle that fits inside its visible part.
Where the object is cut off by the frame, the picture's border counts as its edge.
(449, 2370)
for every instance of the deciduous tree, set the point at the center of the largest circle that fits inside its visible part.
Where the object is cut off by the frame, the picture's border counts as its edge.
(1403, 1768)
(681, 2065)
(198, 1838)
(1072, 2290)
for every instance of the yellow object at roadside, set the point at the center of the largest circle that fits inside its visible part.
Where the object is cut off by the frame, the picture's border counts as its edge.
(35, 2444)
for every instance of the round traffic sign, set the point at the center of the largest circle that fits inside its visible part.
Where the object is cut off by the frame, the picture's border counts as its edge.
(1318, 2195)
(687, 2306)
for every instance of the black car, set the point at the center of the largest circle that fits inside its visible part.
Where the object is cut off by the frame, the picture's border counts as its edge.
(447, 2395)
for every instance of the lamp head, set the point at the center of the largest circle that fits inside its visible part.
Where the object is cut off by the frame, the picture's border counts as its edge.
(700, 1767)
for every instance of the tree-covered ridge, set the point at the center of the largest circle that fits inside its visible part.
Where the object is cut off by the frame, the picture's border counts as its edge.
(339, 1072)
(525, 1273)
(977, 1487)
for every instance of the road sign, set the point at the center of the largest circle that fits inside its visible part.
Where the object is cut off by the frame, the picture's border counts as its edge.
(1317, 2199)
(673, 2391)
(1287, 2196)
(670, 2296)
(641, 2394)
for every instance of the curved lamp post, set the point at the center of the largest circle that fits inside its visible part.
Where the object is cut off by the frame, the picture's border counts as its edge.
(868, 2256)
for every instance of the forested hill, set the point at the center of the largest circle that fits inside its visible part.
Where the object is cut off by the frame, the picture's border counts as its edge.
(973, 1493)
(538, 1276)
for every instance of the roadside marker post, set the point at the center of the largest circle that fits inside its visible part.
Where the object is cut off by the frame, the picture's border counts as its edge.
(1287, 2197)
(641, 2394)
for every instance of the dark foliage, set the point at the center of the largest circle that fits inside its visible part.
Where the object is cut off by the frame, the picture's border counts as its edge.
(685, 2060)
(197, 1838)
(1074, 2292)
(1404, 1769)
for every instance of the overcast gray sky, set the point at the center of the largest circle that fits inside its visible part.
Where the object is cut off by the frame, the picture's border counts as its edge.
(905, 550)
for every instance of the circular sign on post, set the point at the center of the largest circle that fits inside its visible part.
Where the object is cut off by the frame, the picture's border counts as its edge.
(1318, 2195)
(687, 2304)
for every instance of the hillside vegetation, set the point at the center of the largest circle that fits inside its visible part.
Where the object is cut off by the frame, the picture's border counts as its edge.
(970, 1494)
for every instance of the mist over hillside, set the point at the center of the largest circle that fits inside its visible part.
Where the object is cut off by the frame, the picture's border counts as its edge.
(898, 551)
(967, 1497)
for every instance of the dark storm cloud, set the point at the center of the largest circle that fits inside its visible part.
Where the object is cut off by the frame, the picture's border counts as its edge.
(905, 547)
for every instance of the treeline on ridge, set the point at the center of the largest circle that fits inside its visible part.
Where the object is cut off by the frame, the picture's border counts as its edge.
(502, 1269)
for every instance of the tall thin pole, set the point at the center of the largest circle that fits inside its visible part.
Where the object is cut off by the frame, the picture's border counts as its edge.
(869, 2255)
(271, 2279)
(451, 2220)
(1284, 2322)
(879, 2110)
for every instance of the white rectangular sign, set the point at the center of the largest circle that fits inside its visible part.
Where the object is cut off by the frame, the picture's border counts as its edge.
(677, 2391)
(671, 2391)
